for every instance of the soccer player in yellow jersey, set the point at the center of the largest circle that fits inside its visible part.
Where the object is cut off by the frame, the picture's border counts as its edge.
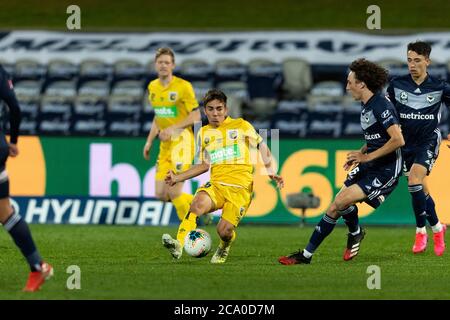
(230, 148)
(173, 100)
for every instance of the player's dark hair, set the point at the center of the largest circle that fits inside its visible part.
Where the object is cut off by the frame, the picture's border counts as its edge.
(163, 51)
(420, 47)
(214, 94)
(374, 76)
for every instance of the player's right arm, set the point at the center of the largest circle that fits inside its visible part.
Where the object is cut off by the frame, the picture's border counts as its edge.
(202, 164)
(196, 170)
(349, 164)
(151, 136)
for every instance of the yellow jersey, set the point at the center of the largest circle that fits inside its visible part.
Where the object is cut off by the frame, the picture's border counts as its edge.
(172, 103)
(231, 150)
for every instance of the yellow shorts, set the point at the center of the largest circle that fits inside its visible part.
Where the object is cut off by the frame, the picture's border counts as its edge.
(176, 155)
(234, 201)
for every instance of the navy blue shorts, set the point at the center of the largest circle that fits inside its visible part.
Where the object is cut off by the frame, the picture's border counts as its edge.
(376, 181)
(424, 154)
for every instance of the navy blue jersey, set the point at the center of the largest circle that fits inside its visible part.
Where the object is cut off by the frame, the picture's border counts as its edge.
(7, 95)
(377, 115)
(418, 106)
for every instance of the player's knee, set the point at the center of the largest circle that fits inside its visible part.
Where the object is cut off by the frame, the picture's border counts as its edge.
(339, 204)
(414, 179)
(198, 206)
(161, 195)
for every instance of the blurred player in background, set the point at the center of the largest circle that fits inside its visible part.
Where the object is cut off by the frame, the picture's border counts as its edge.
(11, 220)
(379, 162)
(229, 147)
(176, 110)
(418, 98)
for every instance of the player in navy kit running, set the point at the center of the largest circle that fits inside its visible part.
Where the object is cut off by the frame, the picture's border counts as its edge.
(11, 220)
(417, 98)
(378, 163)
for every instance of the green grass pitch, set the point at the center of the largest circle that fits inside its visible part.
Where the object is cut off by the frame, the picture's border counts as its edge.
(119, 262)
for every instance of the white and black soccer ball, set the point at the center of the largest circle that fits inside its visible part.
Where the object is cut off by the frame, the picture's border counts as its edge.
(197, 243)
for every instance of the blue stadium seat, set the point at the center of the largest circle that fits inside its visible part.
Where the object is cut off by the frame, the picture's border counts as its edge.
(95, 70)
(264, 79)
(329, 72)
(60, 69)
(131, 88)
(128, 69)
(123, 116)
(56, 115)
(28, 69)
(9, 67)
(62, 88)
(96, 88)
(196, 70)
(28, 89)
(89, 116)
(290, 124)
(297, 78)
(325, 120)
(229, 70)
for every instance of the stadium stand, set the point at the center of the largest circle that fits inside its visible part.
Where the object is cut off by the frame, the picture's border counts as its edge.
(97, 98)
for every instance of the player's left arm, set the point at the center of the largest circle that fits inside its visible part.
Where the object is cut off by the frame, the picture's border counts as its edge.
(396, 141)
(8, 95)
(270, 164)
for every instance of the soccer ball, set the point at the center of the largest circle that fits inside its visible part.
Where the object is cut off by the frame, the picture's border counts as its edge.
(197, 243)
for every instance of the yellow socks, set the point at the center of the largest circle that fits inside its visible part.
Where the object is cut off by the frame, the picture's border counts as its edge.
(182, 204)
(189, 223)
(224, 244)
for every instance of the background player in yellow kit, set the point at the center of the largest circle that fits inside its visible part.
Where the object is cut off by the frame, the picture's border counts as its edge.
(230, 148)
(173, 100)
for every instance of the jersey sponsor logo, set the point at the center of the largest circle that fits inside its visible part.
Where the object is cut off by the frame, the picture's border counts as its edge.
(403, 96)
(166, 112)
(386, 114)
(372, 136)
(227, 153)
(173, 96)
(417, 116)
